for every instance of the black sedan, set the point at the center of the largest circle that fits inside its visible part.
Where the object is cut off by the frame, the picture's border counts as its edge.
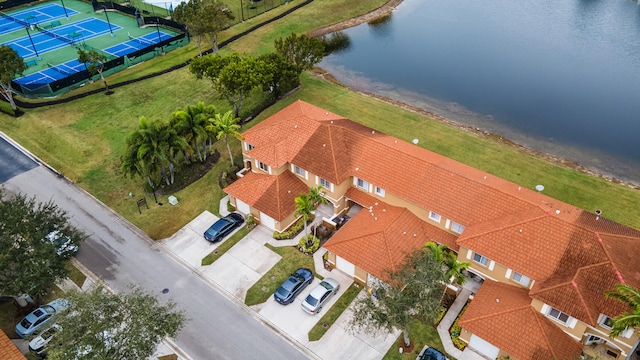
(223, 227)
(288, 291)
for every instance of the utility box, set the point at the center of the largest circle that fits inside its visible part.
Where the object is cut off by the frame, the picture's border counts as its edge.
(173, 200)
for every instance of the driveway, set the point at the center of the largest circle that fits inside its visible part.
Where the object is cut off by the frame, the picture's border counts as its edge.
(247, 261)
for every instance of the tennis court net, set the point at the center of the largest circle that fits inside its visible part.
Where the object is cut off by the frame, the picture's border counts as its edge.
(52, 34)
(60, 69)
(14, 19)
(142, 41)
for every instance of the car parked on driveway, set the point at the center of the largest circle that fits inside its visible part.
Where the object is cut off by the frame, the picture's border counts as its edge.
(223, 227)
(319, 296)
(291, 287)
(429, 353)
(39, 317)
(39, 343)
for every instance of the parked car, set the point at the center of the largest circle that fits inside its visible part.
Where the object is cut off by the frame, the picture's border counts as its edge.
(63, 244)
(39, 343)
(429, 353)
(223, 227)
(320, 295)
(39, 317)
(293, 286)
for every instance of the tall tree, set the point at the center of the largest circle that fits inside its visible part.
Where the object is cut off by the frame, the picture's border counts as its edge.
(411, 289)
(29, 262)
(284, 75)
(236, 80)
(300, 50)
(225, 126)
(103, 325)
(629, 319)
(11, 65)
(451, 266)
(204, 19)
(304, 207)
(94, 61)
(190, 124)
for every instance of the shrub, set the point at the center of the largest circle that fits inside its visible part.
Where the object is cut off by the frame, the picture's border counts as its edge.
(230, 208)
(302, 245)
(291, 232)
(250, 220)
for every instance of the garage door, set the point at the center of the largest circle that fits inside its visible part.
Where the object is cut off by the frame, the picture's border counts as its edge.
(243, 207)
(345, 266)
(267, 221)
(483, 347)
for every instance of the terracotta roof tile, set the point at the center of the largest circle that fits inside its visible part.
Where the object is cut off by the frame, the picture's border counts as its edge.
(498, 309)
(8, 351)
(377, 239)
(272, 195)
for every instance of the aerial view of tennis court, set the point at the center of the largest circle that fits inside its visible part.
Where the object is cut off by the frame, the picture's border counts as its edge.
(49, 35)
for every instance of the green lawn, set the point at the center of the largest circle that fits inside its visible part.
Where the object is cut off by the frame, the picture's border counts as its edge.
(225, 246)
(323, 325)
(421, 334)
(75, 275)
(292, 259)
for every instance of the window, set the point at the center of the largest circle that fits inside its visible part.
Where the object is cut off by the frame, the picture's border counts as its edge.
(325, 184)
(606, 322)
(435, 217)
(480, 259)
(263, 166)
(519, 278)
(558, 315)
(362, 184)
(249, 146)
(457, 228)
(299, 171)
(379, 191)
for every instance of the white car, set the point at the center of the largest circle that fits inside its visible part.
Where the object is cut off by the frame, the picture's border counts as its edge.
(39, 343)
(39, 317)
(319, 296)
(64, 246)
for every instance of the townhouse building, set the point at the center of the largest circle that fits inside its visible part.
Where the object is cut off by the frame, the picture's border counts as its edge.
(545, 264)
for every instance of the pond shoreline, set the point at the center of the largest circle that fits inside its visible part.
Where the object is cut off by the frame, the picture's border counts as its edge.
(386, 9)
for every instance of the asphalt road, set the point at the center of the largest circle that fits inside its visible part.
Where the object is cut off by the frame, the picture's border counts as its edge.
(120, 254)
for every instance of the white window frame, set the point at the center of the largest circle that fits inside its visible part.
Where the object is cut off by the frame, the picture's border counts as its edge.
(364, 186)
(302, 171)
(328, 183)
(558, 316)
(522, 279)
(379, 191)
(457, 228)
(482, 260)
(262, 166)
(603, 321)
(435, 216)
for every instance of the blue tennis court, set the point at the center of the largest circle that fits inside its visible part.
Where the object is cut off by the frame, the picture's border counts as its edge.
(62, 36)
(136, 44)
(53, 73)
(34, 15)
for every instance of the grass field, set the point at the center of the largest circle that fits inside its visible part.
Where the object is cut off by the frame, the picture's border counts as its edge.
(84, 139)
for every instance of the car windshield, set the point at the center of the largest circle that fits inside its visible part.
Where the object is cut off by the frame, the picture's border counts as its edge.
(311, 300)
(326, 285)
(49, 333)
(282, 291)
(25, 323)
(432, 354)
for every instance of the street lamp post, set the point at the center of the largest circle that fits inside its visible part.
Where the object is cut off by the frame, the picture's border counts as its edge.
(32, 45)
(65, 10)
(104, 8)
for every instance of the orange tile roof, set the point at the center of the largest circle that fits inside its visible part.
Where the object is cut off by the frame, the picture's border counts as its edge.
(502, 315)
(378, 238)
(272, 195)
(8, 351)
(543, 238)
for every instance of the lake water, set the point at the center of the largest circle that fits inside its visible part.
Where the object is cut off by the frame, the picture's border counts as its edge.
(558, 76)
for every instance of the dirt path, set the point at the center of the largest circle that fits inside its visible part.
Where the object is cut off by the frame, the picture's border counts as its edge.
(377, 13)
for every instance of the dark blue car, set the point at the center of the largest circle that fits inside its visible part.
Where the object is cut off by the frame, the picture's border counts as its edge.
(429, 353)
(288, 291)
(223, 227)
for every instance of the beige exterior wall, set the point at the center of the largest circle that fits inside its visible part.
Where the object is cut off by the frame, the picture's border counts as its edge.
(361, 275)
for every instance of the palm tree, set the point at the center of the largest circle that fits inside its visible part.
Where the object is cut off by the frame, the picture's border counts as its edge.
(630, 319)
(190, 124)
(316, 196)
(451, 266)
(224, 126)
(304, 207)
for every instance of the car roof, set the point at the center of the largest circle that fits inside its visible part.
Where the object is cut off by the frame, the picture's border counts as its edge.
(320, 290)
